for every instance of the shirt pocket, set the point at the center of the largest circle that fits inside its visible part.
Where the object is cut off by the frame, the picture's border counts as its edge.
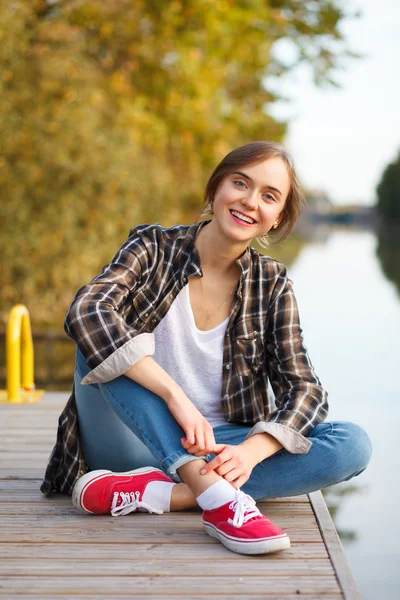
(248, 352)
(142, 305)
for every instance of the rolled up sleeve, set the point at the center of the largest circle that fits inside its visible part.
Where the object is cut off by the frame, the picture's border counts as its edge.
(95, 319)
(301, 401)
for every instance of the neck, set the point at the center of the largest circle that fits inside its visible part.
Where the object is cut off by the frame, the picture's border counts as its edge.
(217, 253)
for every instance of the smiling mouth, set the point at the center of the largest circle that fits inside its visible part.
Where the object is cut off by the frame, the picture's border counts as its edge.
(242, 218)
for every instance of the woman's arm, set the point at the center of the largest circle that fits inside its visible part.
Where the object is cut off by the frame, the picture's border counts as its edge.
(94, 322)
(301, 401)
(150, 375)
(197, 429)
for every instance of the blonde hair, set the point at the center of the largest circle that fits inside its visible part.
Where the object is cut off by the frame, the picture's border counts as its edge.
(251, 154)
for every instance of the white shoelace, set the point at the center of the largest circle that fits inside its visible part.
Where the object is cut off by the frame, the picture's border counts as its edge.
(129, 503)
(245, 509)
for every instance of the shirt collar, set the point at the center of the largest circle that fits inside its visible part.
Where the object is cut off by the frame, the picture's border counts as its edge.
(244, 261)
(191, 259)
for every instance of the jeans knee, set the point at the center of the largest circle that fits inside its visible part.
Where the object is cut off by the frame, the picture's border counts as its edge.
(359, 446)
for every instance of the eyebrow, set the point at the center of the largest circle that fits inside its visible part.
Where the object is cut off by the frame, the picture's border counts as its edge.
(270, 187)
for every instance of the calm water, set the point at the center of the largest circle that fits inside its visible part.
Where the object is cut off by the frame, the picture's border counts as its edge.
(350, 315)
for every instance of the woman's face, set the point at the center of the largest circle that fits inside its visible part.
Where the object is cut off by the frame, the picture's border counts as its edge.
(257, 193)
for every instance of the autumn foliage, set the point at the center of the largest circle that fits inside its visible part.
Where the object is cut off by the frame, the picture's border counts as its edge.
(114, 113)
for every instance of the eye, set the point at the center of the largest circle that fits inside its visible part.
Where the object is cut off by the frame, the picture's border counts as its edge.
(270, 197)
(240, 182)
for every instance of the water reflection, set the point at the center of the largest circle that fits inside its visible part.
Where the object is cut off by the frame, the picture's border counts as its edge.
(347, 290)
(334, 497)
(388, 252)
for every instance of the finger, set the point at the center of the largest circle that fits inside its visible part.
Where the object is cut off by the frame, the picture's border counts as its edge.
(233, 474)
(195, 450)
(240, 481)
(218, 448)
(191, 448)
(210, 442)
(200, 440)
(226, 467)
(213, 464)
(190, 436)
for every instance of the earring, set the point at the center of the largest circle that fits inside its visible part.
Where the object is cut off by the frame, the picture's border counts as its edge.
(275, 225)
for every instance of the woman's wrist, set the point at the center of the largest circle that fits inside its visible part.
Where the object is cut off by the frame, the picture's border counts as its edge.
(262, 446)
(173, 393)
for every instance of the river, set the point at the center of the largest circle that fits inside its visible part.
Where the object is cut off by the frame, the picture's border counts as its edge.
(350, 315)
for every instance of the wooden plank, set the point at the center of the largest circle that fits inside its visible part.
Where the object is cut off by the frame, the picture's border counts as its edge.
(204, 551)
(23, 467)
(334, 547)
(17, 456)
(9, 445)
(110, 535)
(19, 506)
(26, 432)
(18, 497)
(22, 499)
(112, 566)
(31, 411)
(23, 473)
(42, 435)
(39, 422)
(75, 596)
(35, 426)
(49, 399)
(137, 529)
(138, 521)
(34, 408)
(240, 585)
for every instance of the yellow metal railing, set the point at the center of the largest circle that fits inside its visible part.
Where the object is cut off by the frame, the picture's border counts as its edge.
(19, 354)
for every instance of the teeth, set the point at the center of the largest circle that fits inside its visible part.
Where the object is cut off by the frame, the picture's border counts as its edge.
(242, 217)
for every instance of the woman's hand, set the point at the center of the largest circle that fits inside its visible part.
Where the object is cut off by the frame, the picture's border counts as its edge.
(199, 433)
(233, 463)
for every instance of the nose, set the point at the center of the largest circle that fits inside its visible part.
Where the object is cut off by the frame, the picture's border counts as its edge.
(250, 199)
(249, 202)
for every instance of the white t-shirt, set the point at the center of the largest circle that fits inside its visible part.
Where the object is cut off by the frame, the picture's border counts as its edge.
(192, 357)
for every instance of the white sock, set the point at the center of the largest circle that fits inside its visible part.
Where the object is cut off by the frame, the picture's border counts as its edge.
(216, 495)
(158, 494)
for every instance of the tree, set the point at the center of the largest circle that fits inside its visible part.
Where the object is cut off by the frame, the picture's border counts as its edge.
(388, 190)
(114, 113)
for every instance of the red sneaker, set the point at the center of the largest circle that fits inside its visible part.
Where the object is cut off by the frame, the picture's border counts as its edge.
(241, 527)
(104, 492)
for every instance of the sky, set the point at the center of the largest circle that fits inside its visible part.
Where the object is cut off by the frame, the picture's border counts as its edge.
(342, 139)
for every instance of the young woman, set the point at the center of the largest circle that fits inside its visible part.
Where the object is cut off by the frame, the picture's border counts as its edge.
(177, 340)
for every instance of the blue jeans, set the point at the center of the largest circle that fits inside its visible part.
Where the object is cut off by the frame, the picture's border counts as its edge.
(124, 426)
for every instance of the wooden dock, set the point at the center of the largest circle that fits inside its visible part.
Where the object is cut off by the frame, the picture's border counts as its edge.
(47, 550)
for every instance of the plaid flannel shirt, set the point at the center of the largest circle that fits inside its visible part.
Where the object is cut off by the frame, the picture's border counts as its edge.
(112, 319)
